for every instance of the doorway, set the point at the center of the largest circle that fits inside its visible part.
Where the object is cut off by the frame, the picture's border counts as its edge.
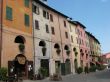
(45, 65)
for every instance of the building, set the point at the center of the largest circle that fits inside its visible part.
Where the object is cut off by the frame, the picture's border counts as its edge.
(106, 59)
(16, 51)
(95, 49)
(74, 45)
(33, 36)
(56, 38)
(81, 40)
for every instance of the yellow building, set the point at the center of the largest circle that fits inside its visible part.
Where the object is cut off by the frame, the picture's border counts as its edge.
(17, 44)
(75, 46)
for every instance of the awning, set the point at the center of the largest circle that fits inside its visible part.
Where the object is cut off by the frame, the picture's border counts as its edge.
(93, 62)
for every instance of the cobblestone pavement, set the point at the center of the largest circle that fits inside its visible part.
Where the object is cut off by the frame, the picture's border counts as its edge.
(100, 76)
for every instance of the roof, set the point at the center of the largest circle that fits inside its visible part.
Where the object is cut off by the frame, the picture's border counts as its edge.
(72, 22)
(50, 8)
(90, 34)
(79, 23)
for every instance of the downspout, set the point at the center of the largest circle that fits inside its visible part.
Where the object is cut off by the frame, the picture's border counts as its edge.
(33, 40)
(1, 26)
(61, 38)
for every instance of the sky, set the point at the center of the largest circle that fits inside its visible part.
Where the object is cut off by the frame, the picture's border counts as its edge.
(94, 14)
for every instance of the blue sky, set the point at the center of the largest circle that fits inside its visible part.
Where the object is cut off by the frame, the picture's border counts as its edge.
(94, 14)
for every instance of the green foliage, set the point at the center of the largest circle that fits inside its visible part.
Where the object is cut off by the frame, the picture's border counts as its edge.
(58, 51)
(68, 52)
(86, 69)
(43, 72)
(93, 68)
(74, 49)
(21, 47)
(76, 53)
(101, 67)
(3, 74)
(79, 70)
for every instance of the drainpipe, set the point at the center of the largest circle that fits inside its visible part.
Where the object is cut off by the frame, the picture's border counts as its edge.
(33, 40)
(1, 26)
(61, 39)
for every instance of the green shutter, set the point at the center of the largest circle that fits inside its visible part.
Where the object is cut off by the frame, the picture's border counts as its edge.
(8, 13)
(26, 3)
(26, 20)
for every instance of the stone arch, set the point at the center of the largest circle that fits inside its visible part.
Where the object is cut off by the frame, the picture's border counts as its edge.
(74, 49)
(56, 46)
(42, 43)
(81, 50)
(66, 47)
(20, 39)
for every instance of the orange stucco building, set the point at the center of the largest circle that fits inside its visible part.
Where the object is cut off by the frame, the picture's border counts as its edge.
(17, 30)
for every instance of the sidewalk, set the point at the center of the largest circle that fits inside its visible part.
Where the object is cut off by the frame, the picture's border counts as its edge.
(47, 79)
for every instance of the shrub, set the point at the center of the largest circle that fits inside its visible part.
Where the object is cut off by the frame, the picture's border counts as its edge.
(101, 67)
(3, 74)
(86, 69)
(42, 73)
(21, 47)
(79, 70)
(58, 51)
(55, 77)
(92, 68)
(68, 52)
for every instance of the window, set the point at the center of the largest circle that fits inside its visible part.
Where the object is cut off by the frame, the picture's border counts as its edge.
(9, 13)
(77, 40)
(66, 34)
(26, 20)
(53, 31)
(81, 33)
(72, 39)
(51, 17)
(64, 23)
(47, 15)
(80, 41)
(76, 30)
(70, 29)
(37, 24)
(44, 14)
(47, 29)
(36, 9)
(26, 3)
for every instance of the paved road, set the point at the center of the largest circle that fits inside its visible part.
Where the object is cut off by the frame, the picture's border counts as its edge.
(103, 76)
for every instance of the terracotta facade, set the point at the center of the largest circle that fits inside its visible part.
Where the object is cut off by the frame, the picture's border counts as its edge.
(14, 32)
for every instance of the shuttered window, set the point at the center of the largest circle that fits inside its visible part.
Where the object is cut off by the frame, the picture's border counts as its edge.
(9, 13)
(47, 28)
(51, 17)
(37, 24)
(26, 3)
(66, 34)
(53, 31)
(26, 20)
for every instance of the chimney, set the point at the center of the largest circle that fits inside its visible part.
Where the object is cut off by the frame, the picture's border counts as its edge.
(44, 1)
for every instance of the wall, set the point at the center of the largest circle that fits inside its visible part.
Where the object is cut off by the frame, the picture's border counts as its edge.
(74, 44)
(13, 28)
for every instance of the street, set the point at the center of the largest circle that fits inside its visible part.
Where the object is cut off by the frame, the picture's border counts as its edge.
(100, 76)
